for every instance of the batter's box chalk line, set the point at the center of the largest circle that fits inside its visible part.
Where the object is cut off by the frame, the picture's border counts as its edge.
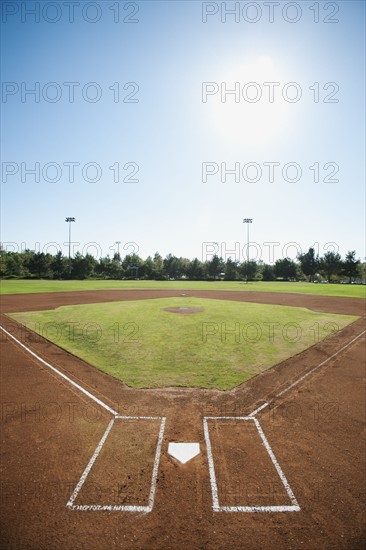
(294, 507)
(120, 508)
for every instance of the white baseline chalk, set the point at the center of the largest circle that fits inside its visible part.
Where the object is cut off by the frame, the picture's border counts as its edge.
(80, 388)
(259, 409)
(288, 388)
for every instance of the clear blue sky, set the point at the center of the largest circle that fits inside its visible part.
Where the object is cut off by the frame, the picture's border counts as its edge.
(169, 52)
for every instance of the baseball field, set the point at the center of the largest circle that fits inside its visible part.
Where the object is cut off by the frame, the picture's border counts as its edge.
(97, 382)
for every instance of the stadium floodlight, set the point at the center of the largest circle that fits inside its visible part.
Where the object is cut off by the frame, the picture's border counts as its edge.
(69, 221)
(118, 243)
(248, 221)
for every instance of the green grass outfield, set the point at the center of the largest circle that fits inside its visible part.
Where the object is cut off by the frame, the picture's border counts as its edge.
(146, 347)
(25, 286)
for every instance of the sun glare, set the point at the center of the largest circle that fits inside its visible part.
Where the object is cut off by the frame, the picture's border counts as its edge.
(247, 106)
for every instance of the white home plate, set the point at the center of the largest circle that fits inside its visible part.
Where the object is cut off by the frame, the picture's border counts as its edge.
(183, 451)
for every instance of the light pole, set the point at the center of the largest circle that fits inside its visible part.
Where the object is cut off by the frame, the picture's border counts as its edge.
(69, 221)
(248, 221)
(118, 243)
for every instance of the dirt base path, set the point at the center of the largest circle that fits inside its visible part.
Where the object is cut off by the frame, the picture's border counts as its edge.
(51, 300)
(315, 429)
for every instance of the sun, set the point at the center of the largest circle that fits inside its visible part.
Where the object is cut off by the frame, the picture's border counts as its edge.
(247, 106)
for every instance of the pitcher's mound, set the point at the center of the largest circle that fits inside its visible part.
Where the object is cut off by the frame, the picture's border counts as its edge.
(183, 310)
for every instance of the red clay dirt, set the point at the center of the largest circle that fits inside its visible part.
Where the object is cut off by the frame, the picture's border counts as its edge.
(50, 430)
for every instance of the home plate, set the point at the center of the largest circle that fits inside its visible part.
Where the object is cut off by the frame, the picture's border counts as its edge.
(183, 451)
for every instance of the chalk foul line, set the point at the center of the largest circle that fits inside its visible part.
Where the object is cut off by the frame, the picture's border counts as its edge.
(299, 380)
(59, 373)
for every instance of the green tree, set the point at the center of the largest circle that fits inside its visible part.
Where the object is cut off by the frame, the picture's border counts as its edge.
(183, 267)
(231, 270)
(148, 271)
(351, 266)
(40, 265)
(115, 269)
(248, 270)
(285, 269)
(171, 266)
(82, 267)
(196, 270)
(27, 256)
(330, 264)
(3, 263)
(14, 267)
(58, 266)
(309, 263)
(158, 267)
(268, 273)
(362, 270)
(214, 267)
(103, 267)
(132, 266)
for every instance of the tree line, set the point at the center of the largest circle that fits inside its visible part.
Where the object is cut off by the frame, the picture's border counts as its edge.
(308, 266)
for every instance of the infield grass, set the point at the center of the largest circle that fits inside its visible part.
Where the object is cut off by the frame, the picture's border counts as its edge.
(21, 286)
(144, 346)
